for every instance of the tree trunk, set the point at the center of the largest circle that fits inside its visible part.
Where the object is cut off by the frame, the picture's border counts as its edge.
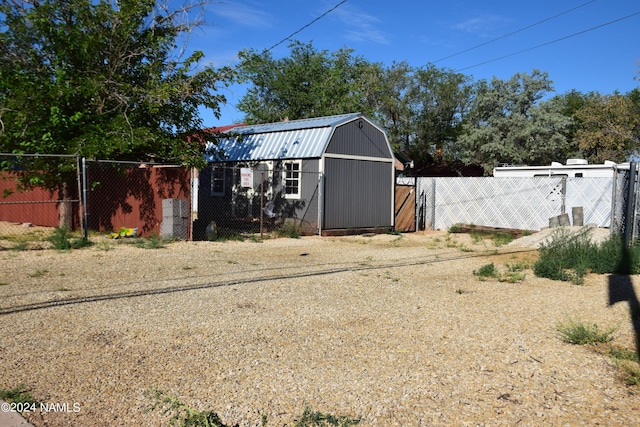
(66, 207)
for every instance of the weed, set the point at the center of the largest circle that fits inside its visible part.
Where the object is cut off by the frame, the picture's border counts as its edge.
(476, 237)
(456, 228)
(181, 414)
(310, 418)
(289, 230)
(63, 240)
(104, 246)
(18, 394)
(39, 272)
(570, 256)
(487, 271)
(513, 277)
(627, 362)
(501, 239)
(152, 242)
(623, 354)
(579, 332)
(518, 266)
(22, 246)
(463, 248)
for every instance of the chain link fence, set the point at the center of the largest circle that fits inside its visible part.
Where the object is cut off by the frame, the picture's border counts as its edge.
(120, 199)
(243, 200)
(137, 199)
(32, 204)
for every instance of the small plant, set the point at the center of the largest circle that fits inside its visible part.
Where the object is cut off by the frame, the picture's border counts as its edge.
(582, 333)
(487, 271)
(152, 242)
(310, 418)
(63, 240)
(623, 354)
(181, 414)
(289, 230)
(18, 394)
(39, 272)
(501, 239)
(22, 246)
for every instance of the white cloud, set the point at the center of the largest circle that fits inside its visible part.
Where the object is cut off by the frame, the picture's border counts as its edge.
(483, 25)
(360, 26)
(243, 14)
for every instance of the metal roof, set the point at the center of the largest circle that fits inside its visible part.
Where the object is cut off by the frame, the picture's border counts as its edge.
(296, 139)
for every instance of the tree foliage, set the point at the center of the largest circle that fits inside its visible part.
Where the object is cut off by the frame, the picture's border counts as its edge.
(509, 124)
(440, 100)
(308, 83)
(610, 128)
(101, 79)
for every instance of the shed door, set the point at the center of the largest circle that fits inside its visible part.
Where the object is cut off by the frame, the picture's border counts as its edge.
(357, 194)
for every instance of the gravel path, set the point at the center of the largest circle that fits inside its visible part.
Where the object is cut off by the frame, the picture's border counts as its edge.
(394, 330)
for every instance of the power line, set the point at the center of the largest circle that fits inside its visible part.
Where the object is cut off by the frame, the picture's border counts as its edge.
(550, 42)
(514, 32)
(305, 26)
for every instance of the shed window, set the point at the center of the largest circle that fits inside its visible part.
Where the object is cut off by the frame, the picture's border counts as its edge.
(291, 180)
(217, 181)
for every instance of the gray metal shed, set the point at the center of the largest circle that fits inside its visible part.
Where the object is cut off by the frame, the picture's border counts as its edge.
(328, 173)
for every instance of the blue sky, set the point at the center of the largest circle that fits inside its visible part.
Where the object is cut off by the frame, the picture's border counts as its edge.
(575, 52)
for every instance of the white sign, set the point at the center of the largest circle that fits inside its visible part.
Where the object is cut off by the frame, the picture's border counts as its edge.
(246, 177)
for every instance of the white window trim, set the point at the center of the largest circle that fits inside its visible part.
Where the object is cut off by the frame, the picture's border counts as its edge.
(297, 195)
(213, 174)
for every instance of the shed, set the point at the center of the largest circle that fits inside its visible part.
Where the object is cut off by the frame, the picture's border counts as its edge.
(325, 174)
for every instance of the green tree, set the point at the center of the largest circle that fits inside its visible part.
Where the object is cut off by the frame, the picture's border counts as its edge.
(610, 127)
(440, 100)
(101, 79)
(509, 124)
(308, 83)
(392, 104)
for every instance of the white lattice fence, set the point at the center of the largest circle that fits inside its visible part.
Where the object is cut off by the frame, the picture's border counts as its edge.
(594, 196)
(497, 202)
(523, 203)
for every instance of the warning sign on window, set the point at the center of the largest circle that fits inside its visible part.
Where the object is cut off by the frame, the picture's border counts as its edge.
(246, 177)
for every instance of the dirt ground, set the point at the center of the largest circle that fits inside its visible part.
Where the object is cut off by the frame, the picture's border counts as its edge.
(395, 330)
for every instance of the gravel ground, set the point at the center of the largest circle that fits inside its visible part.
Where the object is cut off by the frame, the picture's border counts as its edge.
(394, 330)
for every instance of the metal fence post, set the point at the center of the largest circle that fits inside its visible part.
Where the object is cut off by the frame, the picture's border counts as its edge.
(630, 211)
(85, 219)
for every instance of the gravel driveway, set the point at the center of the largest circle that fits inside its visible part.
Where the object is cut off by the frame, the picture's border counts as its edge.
(393, 330)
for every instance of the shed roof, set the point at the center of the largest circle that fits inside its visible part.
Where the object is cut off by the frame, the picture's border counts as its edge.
(296, 139)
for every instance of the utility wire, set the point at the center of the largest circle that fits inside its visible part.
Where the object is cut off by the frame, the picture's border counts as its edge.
(550, 42)
(305, 26)
(514, 32)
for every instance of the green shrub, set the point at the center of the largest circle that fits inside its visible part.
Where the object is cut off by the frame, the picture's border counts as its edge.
(579, 332)
(569, 256)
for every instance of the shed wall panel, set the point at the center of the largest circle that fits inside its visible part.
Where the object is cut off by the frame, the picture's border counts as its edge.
(359, 138)
(357, 194)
